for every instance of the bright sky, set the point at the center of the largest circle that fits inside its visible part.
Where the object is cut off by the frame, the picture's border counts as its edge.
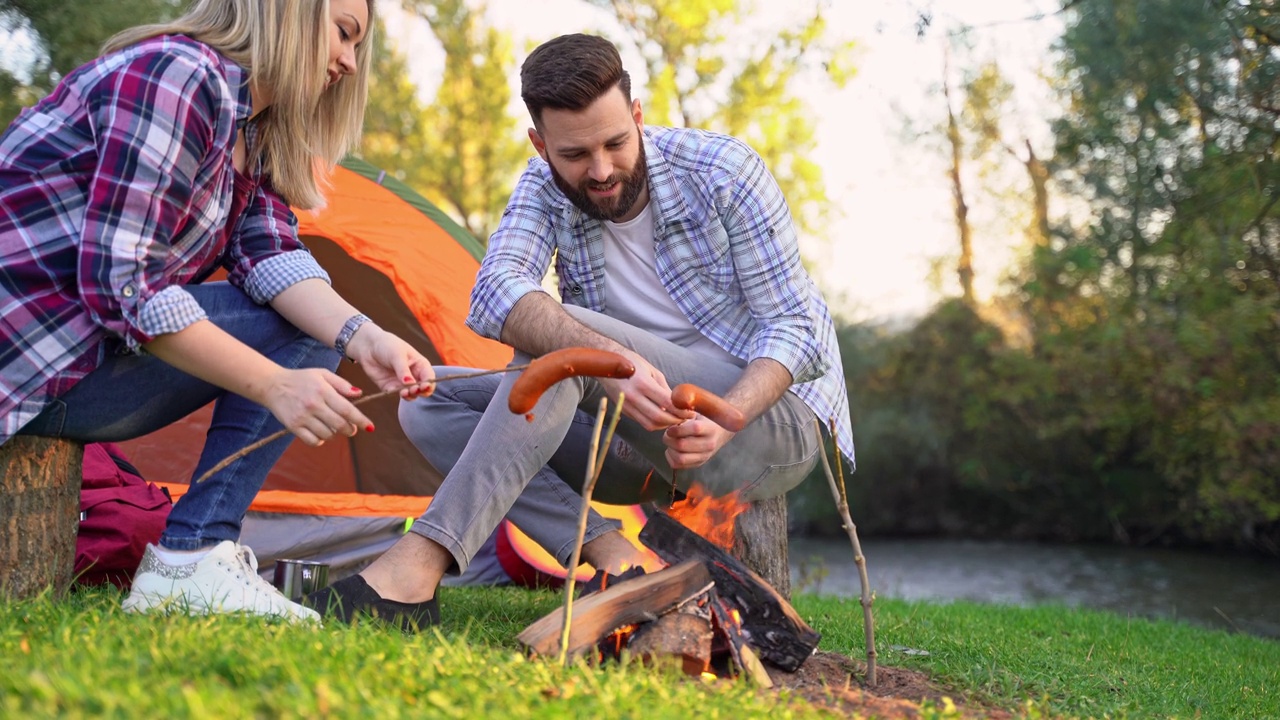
(892, 222)
(893, 219)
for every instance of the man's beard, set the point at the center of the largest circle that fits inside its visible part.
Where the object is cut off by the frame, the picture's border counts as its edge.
(620, 205)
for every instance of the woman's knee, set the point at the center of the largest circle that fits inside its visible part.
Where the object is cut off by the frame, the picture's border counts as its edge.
(307, 352)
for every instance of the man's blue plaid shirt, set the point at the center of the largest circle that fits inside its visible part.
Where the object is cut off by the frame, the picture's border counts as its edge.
(726, 251)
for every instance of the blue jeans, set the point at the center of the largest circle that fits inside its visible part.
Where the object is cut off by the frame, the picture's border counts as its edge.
(131, 395)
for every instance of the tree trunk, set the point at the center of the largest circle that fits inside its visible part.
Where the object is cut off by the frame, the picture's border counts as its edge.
(760, 542)
(39, 507)
(961, 209)
(1039, 175)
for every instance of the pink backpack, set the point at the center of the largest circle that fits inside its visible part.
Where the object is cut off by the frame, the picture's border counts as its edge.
(120, 513)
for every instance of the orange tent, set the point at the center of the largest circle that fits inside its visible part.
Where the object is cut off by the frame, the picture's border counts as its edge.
(410, 268)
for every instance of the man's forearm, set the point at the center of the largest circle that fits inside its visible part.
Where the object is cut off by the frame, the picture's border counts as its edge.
(537, 325)
(762, 384)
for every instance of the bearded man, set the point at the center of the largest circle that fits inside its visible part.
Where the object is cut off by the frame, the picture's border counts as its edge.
(673, 248)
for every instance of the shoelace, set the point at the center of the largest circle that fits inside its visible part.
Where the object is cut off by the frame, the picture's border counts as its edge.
(249, 568)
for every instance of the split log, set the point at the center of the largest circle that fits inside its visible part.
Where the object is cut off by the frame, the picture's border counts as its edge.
(39, 507)
(768, 620)
(623, 603)
(739, 650)
(686, 635)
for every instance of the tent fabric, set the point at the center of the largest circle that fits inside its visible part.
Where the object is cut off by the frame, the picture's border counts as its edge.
(411, 272)
(432, 270)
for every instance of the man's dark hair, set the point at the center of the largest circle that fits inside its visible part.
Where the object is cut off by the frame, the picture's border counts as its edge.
(569, 73)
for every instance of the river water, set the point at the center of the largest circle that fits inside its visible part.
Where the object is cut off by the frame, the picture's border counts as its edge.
(1219, 591)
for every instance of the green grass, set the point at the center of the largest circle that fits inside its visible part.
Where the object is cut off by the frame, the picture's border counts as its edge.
(1080, 663)
(81, 656)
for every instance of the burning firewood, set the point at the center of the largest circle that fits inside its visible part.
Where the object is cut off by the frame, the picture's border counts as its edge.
(684, 633)
(769, 622)
(730, 623)
(623, 603)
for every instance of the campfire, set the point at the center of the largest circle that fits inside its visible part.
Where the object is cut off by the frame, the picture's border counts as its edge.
(706, 610)
(706, 605)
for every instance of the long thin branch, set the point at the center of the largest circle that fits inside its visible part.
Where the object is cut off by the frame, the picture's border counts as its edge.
(281, 433)
(595, 463)
(842, 504)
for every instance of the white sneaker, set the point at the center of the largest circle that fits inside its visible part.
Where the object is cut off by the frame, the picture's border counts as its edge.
(224, 581)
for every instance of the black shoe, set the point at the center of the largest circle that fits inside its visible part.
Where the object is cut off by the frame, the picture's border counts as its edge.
(350, 598)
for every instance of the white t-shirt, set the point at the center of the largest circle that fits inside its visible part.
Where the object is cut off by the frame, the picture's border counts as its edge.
(634, 294)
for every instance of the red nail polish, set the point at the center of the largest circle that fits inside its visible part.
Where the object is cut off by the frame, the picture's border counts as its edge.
(369, 427)
(408, 379)
(355, 390)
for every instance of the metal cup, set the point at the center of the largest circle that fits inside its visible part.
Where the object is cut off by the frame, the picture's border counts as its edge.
(296, 578)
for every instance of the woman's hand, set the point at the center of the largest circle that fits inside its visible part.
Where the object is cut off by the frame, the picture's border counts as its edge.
(314, 404)
(391, 363)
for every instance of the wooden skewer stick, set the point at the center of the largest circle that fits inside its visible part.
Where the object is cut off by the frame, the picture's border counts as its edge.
(595, 463)
(281, 433)
(842, 504)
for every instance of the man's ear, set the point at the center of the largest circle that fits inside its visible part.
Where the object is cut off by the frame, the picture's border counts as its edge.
(538, 143)
(637, 114)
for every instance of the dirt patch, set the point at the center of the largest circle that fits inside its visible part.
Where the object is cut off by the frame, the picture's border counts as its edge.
(837, 682)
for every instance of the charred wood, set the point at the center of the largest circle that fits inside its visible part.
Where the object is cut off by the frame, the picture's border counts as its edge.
(769, 623)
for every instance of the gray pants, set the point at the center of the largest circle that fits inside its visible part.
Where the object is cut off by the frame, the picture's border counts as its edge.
(498, 464)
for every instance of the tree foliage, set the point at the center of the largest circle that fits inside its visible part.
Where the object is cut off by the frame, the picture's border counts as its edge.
(704, 72)
(461, 150)
(1171, 287)
(65, 34)
(1146, 407)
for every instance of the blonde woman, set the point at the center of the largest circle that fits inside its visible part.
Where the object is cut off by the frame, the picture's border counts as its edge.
(177, 152)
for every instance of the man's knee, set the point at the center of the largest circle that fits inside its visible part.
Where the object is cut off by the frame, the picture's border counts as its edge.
(770, 482)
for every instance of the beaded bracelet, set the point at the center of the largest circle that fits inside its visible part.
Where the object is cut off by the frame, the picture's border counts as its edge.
(348, 331)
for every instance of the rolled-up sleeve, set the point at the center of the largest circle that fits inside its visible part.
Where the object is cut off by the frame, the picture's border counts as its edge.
(265, 255)
(518, 255)
(766, 257)
(154, 120)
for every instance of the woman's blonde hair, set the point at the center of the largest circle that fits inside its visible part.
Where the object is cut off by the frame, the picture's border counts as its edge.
(284, 46)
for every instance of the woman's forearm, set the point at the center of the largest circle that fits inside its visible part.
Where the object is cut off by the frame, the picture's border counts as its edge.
(206, 351)
(315, 308)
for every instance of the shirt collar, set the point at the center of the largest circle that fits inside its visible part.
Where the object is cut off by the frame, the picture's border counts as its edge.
(664, 193)
(238, 78)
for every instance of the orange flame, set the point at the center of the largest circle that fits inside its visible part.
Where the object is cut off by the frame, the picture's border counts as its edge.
(620, 638)
(711, 517)
(737, 617)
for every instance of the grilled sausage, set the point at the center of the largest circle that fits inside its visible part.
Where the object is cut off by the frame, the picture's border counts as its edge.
(705, 402)
(555, 366)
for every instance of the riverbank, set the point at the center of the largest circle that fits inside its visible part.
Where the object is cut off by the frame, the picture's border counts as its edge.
(1221, 591)
(84, 657)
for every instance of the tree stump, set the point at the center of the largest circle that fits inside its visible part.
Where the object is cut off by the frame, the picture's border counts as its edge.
(760, 542)
(39, 511)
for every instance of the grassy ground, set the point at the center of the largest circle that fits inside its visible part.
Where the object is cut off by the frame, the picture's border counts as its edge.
(81, 656)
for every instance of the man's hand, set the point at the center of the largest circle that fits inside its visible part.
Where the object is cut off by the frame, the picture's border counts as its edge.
(694, 442)
(648, 400)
